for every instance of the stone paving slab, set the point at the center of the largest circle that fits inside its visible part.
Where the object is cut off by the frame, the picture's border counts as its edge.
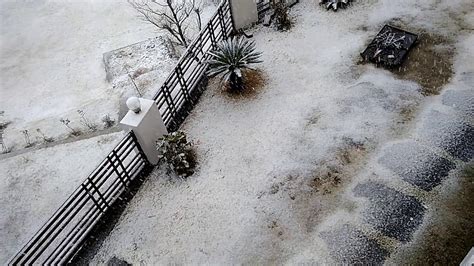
(460, 100)
(416, 164)
(449, 133)
(348, 245)
(394, 214)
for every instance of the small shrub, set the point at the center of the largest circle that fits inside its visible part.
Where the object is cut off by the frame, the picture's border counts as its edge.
(5, 148)
(66, 123)
(282, 19)
(177, 153)
(108, 122)
(85, 121)
(334, 4)
(26, 136)
(43, 136)
(231, 57)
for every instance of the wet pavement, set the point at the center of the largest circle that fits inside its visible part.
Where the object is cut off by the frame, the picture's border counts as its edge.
(349, 245)
(391, 212)
(442, 142)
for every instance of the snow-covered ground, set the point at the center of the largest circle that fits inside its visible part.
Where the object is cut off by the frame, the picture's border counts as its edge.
(35, 184)
(276, 167)
(51, 57)
(51, 61)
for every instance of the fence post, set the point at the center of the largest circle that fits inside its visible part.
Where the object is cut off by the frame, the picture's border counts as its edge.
(148, 127)
(244, 13)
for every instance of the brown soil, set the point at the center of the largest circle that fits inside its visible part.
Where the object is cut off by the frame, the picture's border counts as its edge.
(429, 63)
(314, 196)
(329, 177)
(254, 81)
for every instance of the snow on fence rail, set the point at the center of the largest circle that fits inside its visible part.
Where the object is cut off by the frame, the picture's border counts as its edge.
(262, 7)
(67, 230)
(58, 240)
(180, 91)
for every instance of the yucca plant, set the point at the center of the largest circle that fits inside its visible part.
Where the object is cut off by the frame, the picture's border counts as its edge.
(231, 57)
(334, 4)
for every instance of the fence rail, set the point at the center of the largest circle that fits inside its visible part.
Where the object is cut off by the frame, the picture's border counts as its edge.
(58, 239)
(263, 6)
(66, 231)
(180, 90)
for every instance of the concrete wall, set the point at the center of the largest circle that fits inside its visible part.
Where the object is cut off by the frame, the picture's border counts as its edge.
(148, 126)
(244, 13)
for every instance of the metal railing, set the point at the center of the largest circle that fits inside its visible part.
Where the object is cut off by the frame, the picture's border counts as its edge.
(183, 86)
(66, 231)
(263, 6)
(58, 239)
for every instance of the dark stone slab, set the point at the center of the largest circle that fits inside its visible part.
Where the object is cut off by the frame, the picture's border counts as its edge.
(390, 46)
(449, 133)
(348, 245)
(114, 261)
(460, 100)
(416, 164)
(394, 214)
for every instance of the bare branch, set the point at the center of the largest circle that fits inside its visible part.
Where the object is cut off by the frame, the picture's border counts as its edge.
(171, 16)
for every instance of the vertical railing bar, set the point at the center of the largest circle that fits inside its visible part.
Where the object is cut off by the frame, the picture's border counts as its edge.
(91, 196)
(139, 148)
(228, 2)
(182, 82)
(93, 185)
(211, 31)
(119, 176)
(127, 176)
(169, 100)
(221, 20)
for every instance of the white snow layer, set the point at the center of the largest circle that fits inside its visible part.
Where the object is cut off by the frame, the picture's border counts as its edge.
(51, 61)
(35, 184)
(316, 103)
(51, 57)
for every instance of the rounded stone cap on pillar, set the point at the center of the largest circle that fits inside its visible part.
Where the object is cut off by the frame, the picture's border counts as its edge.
(133, 104)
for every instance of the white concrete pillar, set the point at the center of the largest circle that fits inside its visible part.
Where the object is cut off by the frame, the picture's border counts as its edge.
(244, 13)
(148, 126)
